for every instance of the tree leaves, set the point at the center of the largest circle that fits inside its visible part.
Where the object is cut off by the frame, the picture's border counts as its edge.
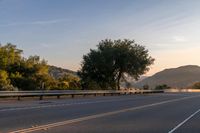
(17, 72)
(106, 65)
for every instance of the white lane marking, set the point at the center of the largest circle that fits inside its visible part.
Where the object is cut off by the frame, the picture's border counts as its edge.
(65, 104)
(57, 124)
(183, 122)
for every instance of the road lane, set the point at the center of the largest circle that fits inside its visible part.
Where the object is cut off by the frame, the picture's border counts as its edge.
(34, 104)
(156, 119)
(28, 118)
(17, 119)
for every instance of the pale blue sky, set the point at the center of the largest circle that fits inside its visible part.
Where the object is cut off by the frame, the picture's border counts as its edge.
(61, 31)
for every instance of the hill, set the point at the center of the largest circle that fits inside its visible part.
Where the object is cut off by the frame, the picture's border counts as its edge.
(131, 81)
(58, 72)
(180, 77)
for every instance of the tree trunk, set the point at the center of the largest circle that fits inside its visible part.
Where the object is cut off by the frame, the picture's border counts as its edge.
(118, 80)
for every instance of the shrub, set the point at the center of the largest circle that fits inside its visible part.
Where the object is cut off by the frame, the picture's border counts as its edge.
(162, 87)
(196, 85)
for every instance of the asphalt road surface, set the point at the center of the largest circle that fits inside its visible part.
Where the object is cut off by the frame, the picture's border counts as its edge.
(152, 113)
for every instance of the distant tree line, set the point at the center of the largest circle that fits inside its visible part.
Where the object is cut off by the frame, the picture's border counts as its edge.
(32, 73)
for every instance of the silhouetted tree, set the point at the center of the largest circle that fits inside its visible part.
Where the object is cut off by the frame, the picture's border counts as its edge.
(109, 63)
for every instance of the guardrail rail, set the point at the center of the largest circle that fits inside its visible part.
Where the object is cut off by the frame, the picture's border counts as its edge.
(72, 93)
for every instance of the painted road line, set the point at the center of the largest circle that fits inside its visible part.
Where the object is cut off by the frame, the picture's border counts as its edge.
(183, 122)
(57, 124)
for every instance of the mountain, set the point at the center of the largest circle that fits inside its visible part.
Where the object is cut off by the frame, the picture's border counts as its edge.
(131, 81)
(180, 77)
(58, 72)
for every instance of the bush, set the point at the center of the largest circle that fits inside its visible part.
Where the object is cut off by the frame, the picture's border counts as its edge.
(69, 81)
(162, 87)
(196, 85)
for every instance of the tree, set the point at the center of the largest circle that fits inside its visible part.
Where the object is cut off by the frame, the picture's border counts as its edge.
(111, 61)
(30, 73)
(4, 81)
(69, 81)
(9, 55)
(33, 74)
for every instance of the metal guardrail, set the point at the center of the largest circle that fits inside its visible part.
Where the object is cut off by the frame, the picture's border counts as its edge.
(72, 93)
(182, 90)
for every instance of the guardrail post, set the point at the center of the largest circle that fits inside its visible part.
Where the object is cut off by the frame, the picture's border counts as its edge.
(72, 95)
(58, 96)
(18, 98)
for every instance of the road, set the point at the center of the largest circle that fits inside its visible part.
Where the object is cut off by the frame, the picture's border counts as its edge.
(152, 113)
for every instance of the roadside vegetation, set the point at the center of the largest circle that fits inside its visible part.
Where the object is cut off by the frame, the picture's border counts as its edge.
(162, 87)
(32, 73)
(196, 85)
(102, 68)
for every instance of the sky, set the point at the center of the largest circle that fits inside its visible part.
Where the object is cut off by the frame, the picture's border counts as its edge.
(62, 31)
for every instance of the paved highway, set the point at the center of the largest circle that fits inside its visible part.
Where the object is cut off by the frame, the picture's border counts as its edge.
(152, 113)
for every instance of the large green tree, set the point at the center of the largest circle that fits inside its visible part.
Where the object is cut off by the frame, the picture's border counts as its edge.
(32, 73)
(111, 61)
(23, 73)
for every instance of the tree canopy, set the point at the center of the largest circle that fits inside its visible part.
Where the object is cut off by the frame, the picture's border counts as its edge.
(111, 61)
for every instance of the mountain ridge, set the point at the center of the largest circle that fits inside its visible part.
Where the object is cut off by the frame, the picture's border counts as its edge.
(180, 77)
(58, 72)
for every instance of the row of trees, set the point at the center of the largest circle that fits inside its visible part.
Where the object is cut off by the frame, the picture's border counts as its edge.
(102, 68)
(17, 72)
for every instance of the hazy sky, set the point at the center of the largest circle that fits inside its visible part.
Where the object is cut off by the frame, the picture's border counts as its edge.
(61, 31)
